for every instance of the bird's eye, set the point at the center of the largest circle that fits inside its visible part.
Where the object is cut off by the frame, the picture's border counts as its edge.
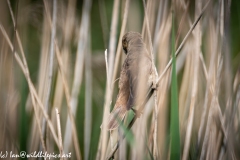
(124, 45)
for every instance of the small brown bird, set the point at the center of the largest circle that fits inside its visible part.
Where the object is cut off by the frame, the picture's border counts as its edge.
(135, 78)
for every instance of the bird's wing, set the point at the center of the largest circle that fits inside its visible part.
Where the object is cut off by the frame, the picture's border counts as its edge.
(139, 72)
(119, 111)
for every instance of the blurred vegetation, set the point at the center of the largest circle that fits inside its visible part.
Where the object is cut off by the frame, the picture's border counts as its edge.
(16, 106)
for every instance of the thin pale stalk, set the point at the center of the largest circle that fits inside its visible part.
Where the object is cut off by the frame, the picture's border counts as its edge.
(50, 66)
(214, 112)
(146, 8)
(59, 133)
(209, 75)
(155, 148)
(69, 25)
(123, 150)
(157, 30)
(206, 137)
(88, 102)
(103, 136)
(2, 60)
(68, 97)
(100, 143)
(198, 39)
(182, 22)
(113, 37)
(38, 123)
(104, 22)
(226, 49)
(11, 12)
(78, 71)
(119, 47)
(204, 66)
(41, 85)
(107, 68)
(17, 36)
(112, 47)
(163, 114)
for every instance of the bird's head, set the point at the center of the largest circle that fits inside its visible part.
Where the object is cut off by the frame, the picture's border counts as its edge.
(131, 39)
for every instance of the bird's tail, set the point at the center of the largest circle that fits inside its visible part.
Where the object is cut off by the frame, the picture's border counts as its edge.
(115, 117)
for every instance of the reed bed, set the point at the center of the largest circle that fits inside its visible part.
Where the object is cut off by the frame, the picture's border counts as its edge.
(59, 68)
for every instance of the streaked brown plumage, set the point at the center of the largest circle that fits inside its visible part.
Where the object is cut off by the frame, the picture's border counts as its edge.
(135, 78)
